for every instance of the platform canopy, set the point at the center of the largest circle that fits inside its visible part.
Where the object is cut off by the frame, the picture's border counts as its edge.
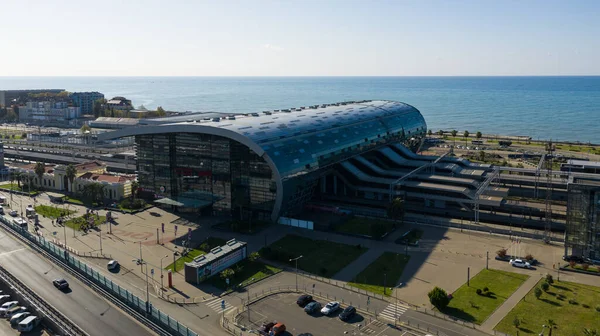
(168, 201)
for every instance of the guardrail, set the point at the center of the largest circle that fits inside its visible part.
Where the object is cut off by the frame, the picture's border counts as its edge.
(66, 326)
(140, 309)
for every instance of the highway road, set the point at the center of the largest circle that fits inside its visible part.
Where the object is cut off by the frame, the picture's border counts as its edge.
(83, 306)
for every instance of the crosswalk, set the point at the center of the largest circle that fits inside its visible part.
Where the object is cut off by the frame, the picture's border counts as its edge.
(393, 311)
(216, 305)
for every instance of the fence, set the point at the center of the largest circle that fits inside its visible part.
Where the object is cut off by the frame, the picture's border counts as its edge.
(123, 295)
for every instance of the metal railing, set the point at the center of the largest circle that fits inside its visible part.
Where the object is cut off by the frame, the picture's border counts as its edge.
(127, 300)
(56, 318)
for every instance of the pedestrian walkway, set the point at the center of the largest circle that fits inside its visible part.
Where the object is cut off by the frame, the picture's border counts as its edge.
(351, 270)
(217, 305)
(491, 322)
(393, 311)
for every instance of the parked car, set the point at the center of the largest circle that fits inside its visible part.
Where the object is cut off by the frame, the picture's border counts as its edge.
(7, 306)
(13, 213)
(330, 308)
(519, 263)
(278, 329)
(312, 307)
(15, 310)
(4, 298)
(113, 264)
(28, 324)
(60, 283)
(17, 318)
(303, 300)
(265, 328)
(574, 258)
(348, 313)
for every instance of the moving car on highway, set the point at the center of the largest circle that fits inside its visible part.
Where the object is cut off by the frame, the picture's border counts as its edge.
(60, 283)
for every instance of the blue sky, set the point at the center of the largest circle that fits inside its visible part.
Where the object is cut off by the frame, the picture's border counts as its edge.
(299, 38)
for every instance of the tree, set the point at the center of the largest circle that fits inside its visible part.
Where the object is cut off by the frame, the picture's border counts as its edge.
(440, 133)
(590, 332)
(227, 274)
(551, 325)
(395, 210)
(454, 133)
(549, 278)
(85, 128)
(438, 298)
(39, 170)
(98, 108)
(482, 156)
(19, 178)
(537, 292)
(466, 135)
(71, 173)
(478, 135)
(430, 132)
(516, 322)
(253, 256)
(545, 286)
(160, 111)
(134, 188)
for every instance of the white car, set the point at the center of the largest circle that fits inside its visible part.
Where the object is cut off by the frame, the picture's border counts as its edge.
(18, 318)
(112, 265)
(519, 263)
(7, 306)
(330, 308)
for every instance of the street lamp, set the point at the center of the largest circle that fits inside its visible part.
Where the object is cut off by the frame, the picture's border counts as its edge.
(296, 260)
(543, 328)
(161, 271)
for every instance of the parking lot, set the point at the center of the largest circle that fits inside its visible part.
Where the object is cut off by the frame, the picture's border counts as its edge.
(283, 308)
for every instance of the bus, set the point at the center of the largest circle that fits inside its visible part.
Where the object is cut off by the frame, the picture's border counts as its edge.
(477, 142)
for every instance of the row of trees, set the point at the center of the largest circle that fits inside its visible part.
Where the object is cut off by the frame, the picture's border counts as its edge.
(466, 135)
(101, 109)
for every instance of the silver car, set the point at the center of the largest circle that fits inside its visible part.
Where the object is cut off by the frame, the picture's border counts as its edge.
(519, 263)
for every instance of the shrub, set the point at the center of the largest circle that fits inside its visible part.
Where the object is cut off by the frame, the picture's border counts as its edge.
(549, 278)
(478, 291)
(572, 263)
(132, 204)
(537, 292)
(545, 286)
(529, 257)
(438, 298)
(253, 256)
(585, 306)
(501, 253)
(585, 267)
(598, 308)
(572, 301)
(485, 289)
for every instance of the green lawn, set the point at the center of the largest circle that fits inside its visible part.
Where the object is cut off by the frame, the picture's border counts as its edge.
(77, 222)
(73, 200)
(15, 187)
(320, 257)
(366, 226)
(372, 277)
(52, 211)
(469, 306)
(569, 318)
(245, 271)
(203, 248)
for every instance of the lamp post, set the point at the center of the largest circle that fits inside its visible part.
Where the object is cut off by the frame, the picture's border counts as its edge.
(161, 271)
(296, 260)
(147, 291)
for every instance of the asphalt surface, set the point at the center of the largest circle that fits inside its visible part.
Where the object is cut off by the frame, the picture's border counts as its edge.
(83, 306)
(283, 308)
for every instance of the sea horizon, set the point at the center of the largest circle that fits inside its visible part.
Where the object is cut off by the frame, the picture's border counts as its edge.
(564, 108)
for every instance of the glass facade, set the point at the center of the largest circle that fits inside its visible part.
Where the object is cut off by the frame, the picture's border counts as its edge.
(206, 172)
(263, 165)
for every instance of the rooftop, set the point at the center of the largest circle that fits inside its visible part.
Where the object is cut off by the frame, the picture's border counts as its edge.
(110, 178)
(216, 253)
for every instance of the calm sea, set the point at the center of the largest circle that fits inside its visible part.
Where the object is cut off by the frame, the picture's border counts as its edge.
(559, 108)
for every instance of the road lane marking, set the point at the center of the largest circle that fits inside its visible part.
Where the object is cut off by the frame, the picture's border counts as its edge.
(11, 252)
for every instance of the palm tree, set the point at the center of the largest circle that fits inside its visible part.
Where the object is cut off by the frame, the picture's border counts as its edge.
(71, 173)
(454, 132)
(478, 135)
(551, 325)
(466, 135)
(441, 133)
(39, 170)
(396, 210)
(19, 178)
(134, 187)
(430, 132)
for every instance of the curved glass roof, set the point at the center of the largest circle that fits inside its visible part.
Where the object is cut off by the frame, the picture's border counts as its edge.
(297, 137)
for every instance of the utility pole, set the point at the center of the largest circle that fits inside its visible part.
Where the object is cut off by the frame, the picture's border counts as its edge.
(384, 281)
(296, 260)
(100, 241)
(141, 259)
(147, 292)
(161, 271)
